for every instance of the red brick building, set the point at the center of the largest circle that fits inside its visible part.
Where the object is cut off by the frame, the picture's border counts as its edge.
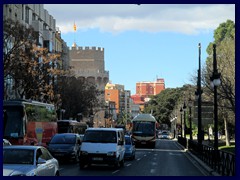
(146, 89)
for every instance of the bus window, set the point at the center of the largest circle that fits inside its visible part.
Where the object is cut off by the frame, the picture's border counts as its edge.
(13, 121)
(40, 113)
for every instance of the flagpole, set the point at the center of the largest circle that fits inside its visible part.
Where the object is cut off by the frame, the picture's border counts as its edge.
(74, 28)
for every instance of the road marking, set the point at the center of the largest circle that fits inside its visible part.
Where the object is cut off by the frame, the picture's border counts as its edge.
(154, 163)
(175, 154)
(138, 159)
(144, 155)
(152, 171)
(128, 165)
(115, 171)
(163, 150)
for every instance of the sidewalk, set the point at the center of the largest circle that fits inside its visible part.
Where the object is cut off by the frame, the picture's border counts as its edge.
(201, 165)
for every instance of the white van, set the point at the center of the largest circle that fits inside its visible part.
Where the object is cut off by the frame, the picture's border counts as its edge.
(103, 146)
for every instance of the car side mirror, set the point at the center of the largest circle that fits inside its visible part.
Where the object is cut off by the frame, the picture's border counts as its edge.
(41, 161)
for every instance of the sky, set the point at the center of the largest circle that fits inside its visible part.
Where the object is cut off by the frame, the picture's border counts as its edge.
(144, 42)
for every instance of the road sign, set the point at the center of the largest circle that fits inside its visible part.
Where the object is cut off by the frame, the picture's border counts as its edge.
(207, 113)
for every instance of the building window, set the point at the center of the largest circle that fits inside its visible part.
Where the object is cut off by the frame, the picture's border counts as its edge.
(10, 12)
(44, 26)
(22, 12)
(34, 16)
(27, 15)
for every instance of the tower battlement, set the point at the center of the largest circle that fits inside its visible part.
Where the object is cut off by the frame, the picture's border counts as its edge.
(82, 48)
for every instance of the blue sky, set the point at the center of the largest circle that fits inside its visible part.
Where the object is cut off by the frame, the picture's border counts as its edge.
(144, 42)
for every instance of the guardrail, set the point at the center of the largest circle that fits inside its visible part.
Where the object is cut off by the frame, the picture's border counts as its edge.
(221, 161)
(182, 141)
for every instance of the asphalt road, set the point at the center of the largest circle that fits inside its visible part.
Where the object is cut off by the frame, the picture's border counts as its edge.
(167, 159)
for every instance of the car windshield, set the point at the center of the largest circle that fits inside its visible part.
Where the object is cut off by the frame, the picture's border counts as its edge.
(63, 139)
(18, 156)
(100, 136)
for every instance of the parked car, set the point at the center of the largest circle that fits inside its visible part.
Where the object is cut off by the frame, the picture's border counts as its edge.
(65, 146)
(6, 142)
(103, 146)
(129, 148)
(19, 160)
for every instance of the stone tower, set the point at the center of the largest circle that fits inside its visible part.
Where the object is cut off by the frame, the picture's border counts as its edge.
(88, 64)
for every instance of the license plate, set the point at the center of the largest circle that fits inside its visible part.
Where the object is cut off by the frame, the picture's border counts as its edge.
(143, 142)
(97, 159)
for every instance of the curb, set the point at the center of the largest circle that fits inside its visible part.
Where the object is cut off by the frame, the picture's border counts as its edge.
(209, 171)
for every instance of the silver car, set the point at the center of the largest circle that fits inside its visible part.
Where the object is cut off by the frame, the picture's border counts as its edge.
(21, 160)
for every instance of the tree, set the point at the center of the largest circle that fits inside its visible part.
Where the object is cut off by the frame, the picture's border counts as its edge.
(164, 103)
(224, 38)
(29, 70)
(77, 96)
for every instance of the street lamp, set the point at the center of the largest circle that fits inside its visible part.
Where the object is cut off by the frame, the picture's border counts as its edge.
(174, 124)
(215, 82)
(181, 112)
(198, 94)
(190, 105)
(62, 113)
(184, 119)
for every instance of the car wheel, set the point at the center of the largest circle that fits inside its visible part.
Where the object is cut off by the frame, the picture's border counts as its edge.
(117, 164)
(57, 173)
(76, 158)
(133, 156)
(81, 165)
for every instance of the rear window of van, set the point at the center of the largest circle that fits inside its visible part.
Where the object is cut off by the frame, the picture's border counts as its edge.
(100, 137)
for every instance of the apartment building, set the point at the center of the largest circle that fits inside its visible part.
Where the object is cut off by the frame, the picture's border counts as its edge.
(44, 25)
(121, 97)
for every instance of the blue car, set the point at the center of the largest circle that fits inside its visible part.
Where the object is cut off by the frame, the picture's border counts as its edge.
(129, 148)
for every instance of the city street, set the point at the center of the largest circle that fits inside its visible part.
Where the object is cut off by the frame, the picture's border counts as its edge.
(167, 159)
(148, 89)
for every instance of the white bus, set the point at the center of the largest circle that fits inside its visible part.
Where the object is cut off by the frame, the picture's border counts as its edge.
(144, 130)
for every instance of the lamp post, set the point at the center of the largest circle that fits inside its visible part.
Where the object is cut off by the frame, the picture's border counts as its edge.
(62, 113)
(190, 104)
(198, 94)
(181, 111)
(184, 119)
(215, 82)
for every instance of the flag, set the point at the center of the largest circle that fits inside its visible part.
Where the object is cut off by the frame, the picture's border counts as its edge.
(74, 27)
